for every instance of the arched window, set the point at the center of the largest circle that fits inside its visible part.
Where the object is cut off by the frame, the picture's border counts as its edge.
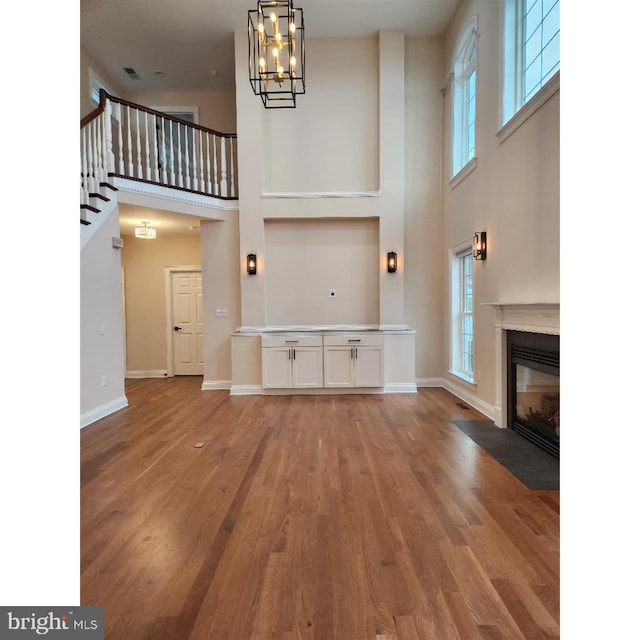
(463, 147)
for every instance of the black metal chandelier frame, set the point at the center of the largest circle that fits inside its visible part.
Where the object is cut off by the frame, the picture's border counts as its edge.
(276, 53)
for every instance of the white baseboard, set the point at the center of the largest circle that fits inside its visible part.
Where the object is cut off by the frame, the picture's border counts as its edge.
(246, 390)
(471, 399)
(103, 411)
(429, 382)
(216, 385)
(400, 387)
(147, 373)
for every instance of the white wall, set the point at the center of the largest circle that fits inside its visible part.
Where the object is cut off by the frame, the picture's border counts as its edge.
(310, 149)
(255, 141)
(513, 195)
(305, 259)
(101, 325)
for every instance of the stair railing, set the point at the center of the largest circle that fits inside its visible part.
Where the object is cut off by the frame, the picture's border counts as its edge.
(126, 140)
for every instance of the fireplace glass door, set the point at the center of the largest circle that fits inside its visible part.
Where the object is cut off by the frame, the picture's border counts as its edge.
(533, 385)
(538, 402)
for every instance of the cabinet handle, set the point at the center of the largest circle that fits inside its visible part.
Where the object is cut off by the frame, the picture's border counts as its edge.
(354, 340)
(289, 354)
(294, 353)
(356, 350)
(291, 341)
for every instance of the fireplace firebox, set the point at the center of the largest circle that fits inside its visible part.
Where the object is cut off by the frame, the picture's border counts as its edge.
(533, 388)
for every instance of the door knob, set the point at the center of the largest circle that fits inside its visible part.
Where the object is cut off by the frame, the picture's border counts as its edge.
(177, 328)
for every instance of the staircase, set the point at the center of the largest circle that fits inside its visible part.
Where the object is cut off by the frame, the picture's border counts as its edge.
(123, 143)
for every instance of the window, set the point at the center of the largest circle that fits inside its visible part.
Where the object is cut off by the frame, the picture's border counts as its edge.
(462, 304)
(531, 54)
(96, 83)
(463, 147)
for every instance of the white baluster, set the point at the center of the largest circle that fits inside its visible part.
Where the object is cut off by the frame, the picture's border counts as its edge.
(164, 154)
(223, 167)
(97, 147)
(215, 167)
(110, 160)
(232, 190)
(84, 167)
(129, 149)
(90, 157)
(201, 162)
(171, 164)
(194, 171)
(180, 181)
(147, 163)
(139, 158)
(206, 137)
(120, 143)
(156, 144)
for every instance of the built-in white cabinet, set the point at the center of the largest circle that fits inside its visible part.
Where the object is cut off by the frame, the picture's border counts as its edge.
(353, 360)
(292, 361)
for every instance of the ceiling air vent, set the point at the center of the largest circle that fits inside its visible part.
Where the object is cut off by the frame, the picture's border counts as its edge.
(132, 73)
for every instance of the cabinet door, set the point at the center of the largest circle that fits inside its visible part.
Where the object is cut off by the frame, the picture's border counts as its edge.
(307, 367)
(276, 368)
(368, 367)
(338, 366)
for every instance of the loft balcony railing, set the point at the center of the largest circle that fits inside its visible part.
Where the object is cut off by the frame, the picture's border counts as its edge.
(126, 140)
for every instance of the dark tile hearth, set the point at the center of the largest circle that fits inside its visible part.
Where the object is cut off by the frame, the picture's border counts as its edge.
(534, 467)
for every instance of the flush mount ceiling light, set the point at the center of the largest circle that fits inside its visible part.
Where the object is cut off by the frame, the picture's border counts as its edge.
(145, 232)
(276, 53)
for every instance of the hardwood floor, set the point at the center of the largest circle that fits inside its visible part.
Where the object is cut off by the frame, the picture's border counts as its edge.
(309, 517)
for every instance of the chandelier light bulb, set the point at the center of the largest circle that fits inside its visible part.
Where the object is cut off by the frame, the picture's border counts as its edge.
(273, 17)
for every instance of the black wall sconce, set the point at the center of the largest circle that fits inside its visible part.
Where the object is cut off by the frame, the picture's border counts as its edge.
(252, 264)
(480, 245)
(392, 262)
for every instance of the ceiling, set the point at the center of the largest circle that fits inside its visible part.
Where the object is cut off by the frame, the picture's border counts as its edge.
(188, 39)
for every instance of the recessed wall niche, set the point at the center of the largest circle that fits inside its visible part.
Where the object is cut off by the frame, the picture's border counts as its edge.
(307, 259)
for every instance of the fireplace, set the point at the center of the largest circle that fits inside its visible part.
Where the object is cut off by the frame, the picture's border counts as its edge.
(533, 388)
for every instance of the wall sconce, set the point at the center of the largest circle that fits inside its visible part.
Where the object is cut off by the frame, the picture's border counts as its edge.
(480, 245)
(392, 262)
(252, 264)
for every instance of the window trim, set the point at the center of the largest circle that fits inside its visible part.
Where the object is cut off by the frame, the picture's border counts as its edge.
(455, 330)
(541, 97)
(465, 62)
(511, 63)
(96, 81)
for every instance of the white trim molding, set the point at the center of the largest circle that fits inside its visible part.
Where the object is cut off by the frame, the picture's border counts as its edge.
(470, 398)
(103, 411)
(156, 196)
(216, 385)
(146, 373)
(320, 194)
(530, 107)
(541, 317)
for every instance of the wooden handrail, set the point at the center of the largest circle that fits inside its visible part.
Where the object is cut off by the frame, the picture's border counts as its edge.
(138, 143)
(104, 95)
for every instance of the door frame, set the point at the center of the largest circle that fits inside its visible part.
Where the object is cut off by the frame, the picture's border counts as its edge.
(168, 299)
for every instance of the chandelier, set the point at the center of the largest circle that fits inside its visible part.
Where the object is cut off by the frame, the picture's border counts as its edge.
(145, 232)
(276, 53)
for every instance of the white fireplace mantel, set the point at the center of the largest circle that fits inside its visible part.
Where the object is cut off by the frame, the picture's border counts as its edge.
(541, 317)
(538, 317)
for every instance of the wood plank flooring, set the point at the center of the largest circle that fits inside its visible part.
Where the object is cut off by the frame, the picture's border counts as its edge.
(309, 517)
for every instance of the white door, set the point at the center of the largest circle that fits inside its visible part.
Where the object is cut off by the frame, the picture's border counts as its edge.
(188, 353)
